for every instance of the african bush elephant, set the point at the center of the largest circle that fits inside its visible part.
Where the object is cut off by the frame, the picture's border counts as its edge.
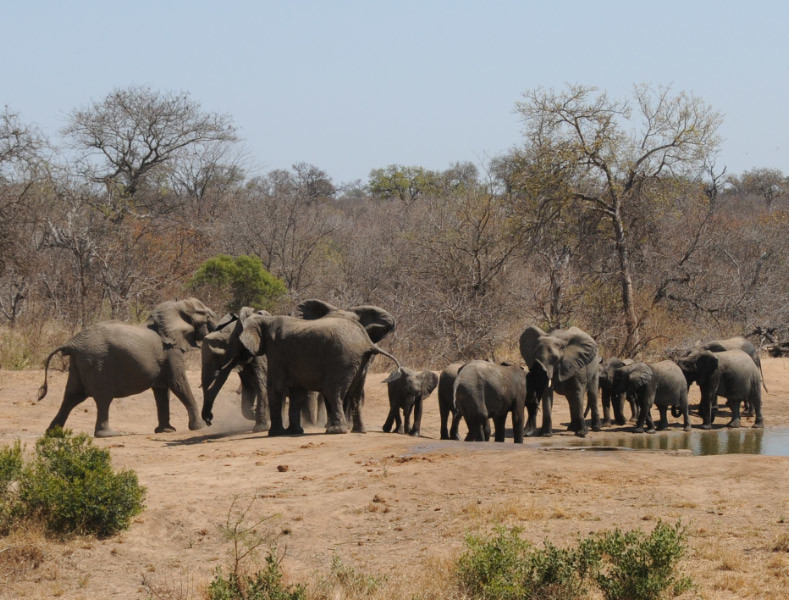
(446, 401)
(731, 374)
(329, 354)
(662, 383)
(486, 390)
(607, 398)
(217, 347)
(408, 392)
(564, 361)
(111, 359)
(737, 343)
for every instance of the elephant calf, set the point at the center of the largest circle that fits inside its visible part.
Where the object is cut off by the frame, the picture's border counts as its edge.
(662, 384)
(486, 390)
(446, 401)
(407, 393)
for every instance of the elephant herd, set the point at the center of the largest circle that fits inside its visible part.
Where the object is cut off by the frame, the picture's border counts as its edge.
(327, 350)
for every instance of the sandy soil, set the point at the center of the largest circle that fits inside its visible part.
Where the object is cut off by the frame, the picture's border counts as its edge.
(379, 500)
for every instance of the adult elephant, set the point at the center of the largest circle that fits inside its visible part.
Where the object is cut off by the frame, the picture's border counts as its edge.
(565, 362)
(446, 401)
(407, 393)
(485, 390)
(377, 322)
(662, 384)
(731, 374)
(111, 359)
(217, 347)
(329, 354)
(738, 343)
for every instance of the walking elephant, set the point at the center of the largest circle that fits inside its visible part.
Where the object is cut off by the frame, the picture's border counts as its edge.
(608, 400)
(731, 374)
(565, 362)
(737, 343)
(662, 383)
(329, 354)
(486, 390)
(407, 393)
(217, 347)
(111, 359)
(446, 401)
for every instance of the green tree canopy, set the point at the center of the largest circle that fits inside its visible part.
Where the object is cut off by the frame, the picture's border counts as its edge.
(238, 281)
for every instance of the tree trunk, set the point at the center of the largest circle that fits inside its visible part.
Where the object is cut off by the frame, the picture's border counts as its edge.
(626, 280)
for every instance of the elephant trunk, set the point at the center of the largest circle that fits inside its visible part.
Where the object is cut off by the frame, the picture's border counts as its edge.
(676, 412)
(211, 390)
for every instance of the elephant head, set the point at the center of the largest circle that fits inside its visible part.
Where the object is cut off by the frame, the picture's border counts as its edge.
(182, 324)
(698, 366)
(222, 352)
(377, 322)
(630, 379)
(414, 385)
(560, 354)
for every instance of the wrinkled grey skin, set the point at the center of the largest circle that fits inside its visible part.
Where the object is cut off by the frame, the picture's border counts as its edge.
(224, 342)
(662, 384)
(407, 393)
(731, 374)
(112, 359)
(736, 343)
(329, 354)
(565, 362)
(485, 390)
(446, 401)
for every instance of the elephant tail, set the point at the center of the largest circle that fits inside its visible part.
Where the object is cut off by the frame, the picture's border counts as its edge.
(42, 391)
(395, 374)
(762, 374)
(676, 411)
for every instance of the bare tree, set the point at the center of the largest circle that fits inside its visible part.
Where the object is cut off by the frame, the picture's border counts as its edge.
(769, 184)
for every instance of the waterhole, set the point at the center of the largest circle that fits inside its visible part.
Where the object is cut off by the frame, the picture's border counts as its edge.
(772, 441)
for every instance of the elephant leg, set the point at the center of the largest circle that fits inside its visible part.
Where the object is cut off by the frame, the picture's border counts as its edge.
(591, 397)
(162, 397)
(734, 407)
(547, 404)
(75, 394)
(297, 400)
(275, 400)
(390, 418)
(103, 418)
(650, 423)
(444, 414)
(261, 413)
(404, 428)
(756, 403)
(530, 428)
(577, 421)
(605, 400)
(517, 423)
(663, 423)
(643, 412)
(336, 422)
(180, 387)
(356, 412)
(634, 409)
(499, 425)
(453, 430)
(706, 409)
(416, 429)
(486, 429)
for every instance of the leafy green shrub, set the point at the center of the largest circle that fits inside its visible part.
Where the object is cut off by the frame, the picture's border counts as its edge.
(70, 485)
(642, 567)
(624, 566)
(266, 584)
(242, 280)
(10, 471)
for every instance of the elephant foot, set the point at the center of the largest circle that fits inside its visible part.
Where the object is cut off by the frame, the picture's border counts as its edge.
(297, 430)
(706, 426)
(597, 426)
(546, 433)
(638, 430)
(606, 423)
(414, 432)
(195, 425)
(337, 429)
(651, 430)
(733, 424)
(160, 429)
(400, 430)
(581, 433)
(359, 429)
(457, 437)
(260, 427)
(107, 432)
(686, 428)
(276, 431)
(758, 425)
(621, 422)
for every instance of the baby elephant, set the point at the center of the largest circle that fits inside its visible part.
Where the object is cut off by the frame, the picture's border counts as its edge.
(407, 392)
(661, 383)
(486, 390)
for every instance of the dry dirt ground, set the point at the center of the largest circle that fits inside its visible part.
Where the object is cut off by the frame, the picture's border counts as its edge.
(391, 504)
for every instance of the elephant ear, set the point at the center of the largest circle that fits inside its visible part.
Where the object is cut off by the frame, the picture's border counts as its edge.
(251, 337)
(529, 342)
(173, 321)
(638, 374)
(580, 350)
(714, 346)
(226, 320)
(429, 381)
(376, 321)
(312, 309)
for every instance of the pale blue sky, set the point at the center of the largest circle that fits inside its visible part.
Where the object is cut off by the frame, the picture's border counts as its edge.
(350, 86)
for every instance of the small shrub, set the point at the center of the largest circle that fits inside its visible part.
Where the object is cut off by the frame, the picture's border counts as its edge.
(266, 584)
(643, 567)
(494, 568)
(70, 486)
(10, 471)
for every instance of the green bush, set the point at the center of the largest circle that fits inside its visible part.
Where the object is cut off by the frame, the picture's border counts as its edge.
(642, 567)
(624, 566)
(266, 584)
(10, 471)
(242, 279)
(71, 487)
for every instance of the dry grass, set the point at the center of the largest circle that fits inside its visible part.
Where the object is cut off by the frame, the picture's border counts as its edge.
(21, 552)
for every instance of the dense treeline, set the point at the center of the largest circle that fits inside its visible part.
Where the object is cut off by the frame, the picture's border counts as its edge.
(612, 215)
